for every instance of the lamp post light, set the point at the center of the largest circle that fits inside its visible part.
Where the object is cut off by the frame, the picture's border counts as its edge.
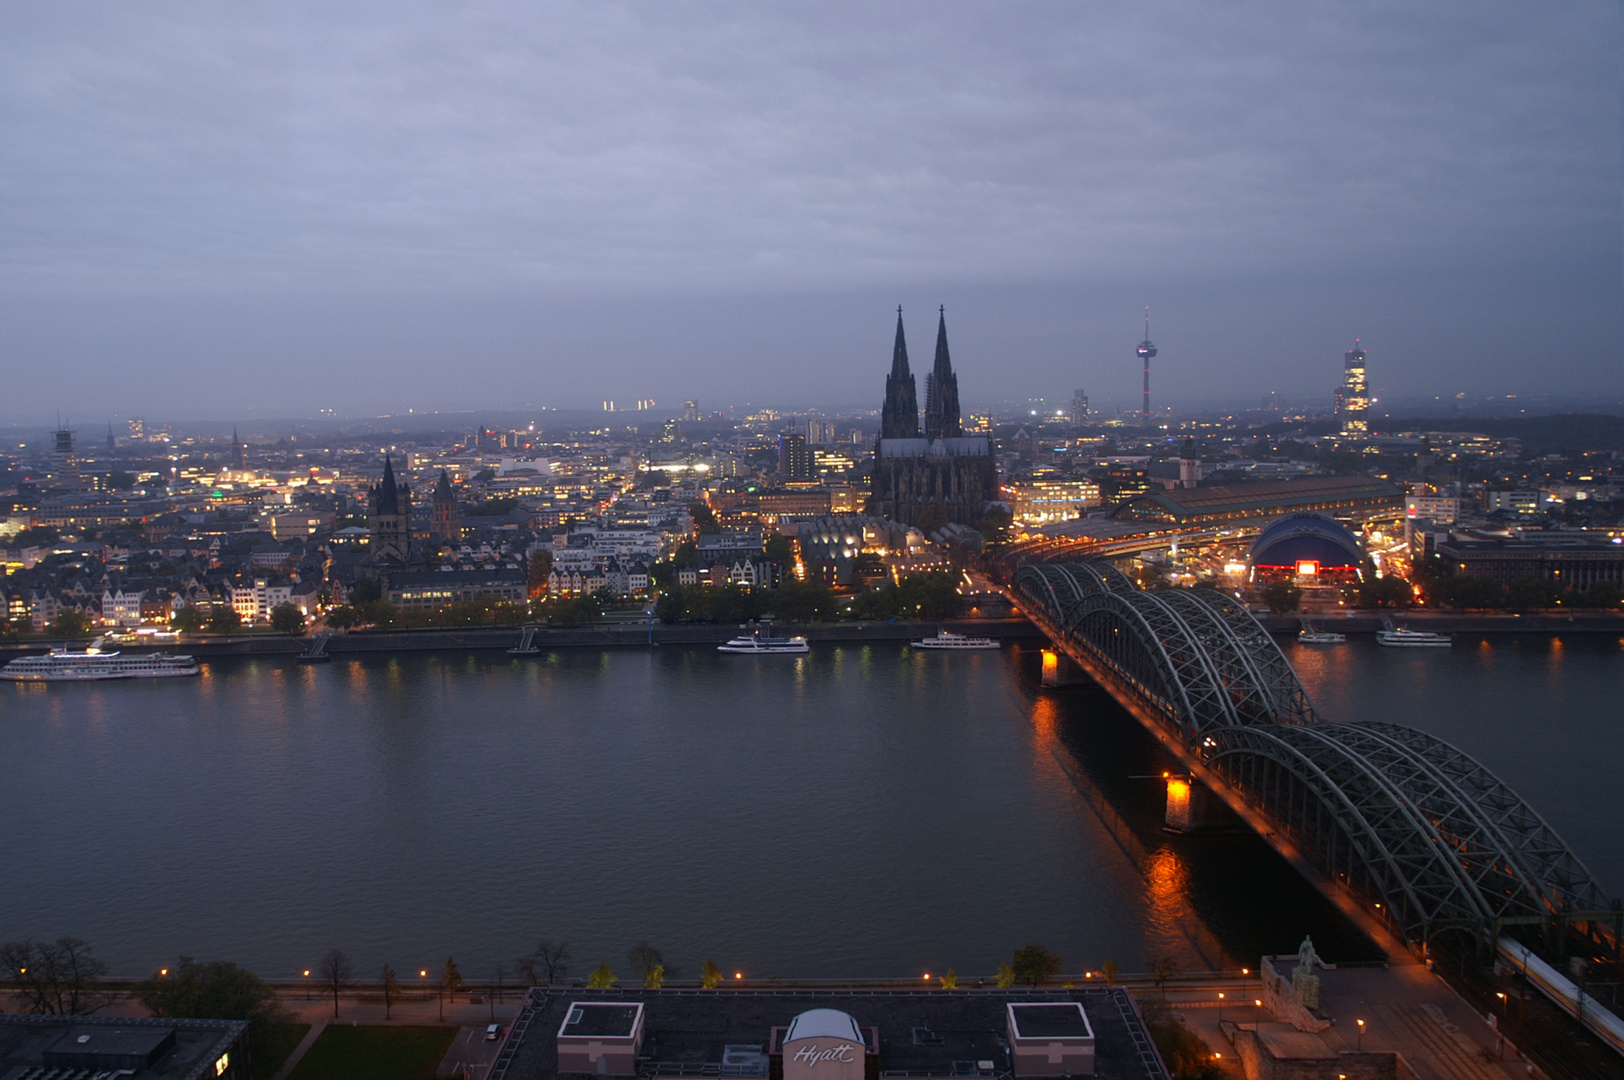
(307, 983)
(1505, 1010)
(424, 974)
(1257, 1015)
(1220, 1008)
(1361, 1024)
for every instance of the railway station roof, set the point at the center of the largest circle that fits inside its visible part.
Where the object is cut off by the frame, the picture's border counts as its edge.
(1268, 498)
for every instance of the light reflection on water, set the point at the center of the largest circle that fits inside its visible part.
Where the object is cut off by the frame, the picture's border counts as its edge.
(861, 810)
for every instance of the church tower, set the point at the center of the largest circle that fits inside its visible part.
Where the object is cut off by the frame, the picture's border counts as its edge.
(899, 416)
(942, 419)
(945, 477)
(446, 523)
(389, 518)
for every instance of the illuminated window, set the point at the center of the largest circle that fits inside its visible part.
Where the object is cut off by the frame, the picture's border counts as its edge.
(221, 1065)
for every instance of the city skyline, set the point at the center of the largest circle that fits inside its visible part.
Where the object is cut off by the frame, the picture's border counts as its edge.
(352, 209)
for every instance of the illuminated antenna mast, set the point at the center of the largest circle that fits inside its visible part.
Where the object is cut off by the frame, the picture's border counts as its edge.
(1146, 351)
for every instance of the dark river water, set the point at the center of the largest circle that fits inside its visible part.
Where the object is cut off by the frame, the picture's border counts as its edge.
(862, 811)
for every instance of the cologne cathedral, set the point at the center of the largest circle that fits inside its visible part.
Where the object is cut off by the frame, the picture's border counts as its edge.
(939, 476)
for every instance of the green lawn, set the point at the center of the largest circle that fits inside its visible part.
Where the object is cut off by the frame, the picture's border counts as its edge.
(273, 1048)
(375, 1053)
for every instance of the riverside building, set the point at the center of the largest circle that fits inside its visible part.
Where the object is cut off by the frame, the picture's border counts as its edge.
(68, 1047)
(827, 1035)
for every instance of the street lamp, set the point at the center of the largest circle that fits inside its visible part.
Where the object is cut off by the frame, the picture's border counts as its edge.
(1505, 1008)
(1220, 1008)
(1257, 1015)
(307, 983)
(1361, 1024)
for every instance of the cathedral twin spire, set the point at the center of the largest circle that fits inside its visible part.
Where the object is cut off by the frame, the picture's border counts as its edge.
(899, 417)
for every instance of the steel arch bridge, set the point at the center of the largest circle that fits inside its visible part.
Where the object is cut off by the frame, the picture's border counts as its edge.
(1418, 829)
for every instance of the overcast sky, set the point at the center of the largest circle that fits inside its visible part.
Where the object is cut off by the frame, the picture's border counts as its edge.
(222, 210)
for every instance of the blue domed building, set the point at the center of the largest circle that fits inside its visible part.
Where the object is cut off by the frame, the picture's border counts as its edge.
(1306, 546)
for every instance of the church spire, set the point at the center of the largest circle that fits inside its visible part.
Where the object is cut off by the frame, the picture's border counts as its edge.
(942, 419)
(899, 351)
(388, 500)
(899, 416)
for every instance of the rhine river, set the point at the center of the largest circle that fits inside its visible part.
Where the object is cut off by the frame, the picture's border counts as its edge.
(865, 811)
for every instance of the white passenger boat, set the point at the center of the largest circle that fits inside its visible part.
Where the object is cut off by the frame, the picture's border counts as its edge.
(1413, 639)
(759, 642)
(1309, 636)
(947, 639)
(65, 665)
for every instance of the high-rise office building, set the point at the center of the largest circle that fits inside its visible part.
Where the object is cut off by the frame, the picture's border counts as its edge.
(690, 410)
(1079, 407)
(820, 432)
(64, 459)
(1355, 394)
(794, 457)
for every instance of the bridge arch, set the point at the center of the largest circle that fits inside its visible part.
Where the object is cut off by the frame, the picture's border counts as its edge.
(1203, 659)
(1422, 830)
(1427, 835)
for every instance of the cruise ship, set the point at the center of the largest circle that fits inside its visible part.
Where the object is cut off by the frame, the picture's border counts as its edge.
(1412, 639)
(761, 641)
(64, 665)
(947, 639)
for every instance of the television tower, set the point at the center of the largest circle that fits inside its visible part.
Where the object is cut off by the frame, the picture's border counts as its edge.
(1146, 351)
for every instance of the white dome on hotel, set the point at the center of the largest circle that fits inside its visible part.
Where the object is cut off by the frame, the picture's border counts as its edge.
(824, 1024)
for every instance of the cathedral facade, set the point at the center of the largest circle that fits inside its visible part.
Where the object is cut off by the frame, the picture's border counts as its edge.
(937, 475)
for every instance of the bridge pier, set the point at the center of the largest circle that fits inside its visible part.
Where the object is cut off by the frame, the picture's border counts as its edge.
(1194, 807)
(1061, 670)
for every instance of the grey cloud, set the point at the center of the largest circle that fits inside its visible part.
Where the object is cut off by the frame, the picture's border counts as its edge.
(605, 150)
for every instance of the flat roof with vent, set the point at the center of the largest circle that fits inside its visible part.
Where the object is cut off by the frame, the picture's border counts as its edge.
(1060, 1020)
(136, 1047)
(690, 1034)
(601, 1020)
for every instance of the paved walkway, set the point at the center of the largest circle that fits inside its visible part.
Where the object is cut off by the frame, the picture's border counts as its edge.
(1406, 1008)
(299, 1051)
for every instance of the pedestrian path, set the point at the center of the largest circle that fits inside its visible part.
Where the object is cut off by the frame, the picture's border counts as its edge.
(299, 1051)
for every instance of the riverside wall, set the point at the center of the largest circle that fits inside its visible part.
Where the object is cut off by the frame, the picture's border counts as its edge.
(595, 635)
